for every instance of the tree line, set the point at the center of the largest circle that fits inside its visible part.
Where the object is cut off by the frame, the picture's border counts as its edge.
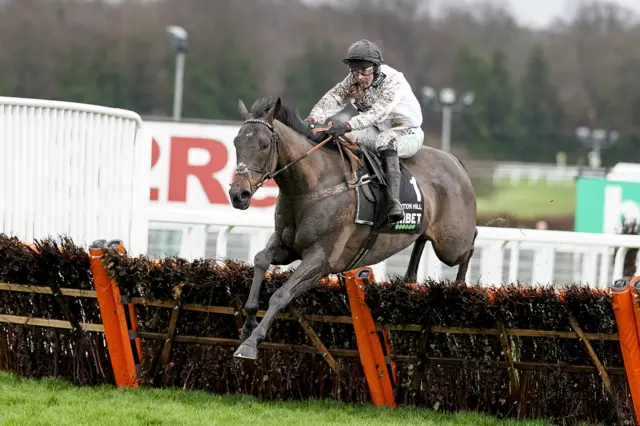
(532, 87)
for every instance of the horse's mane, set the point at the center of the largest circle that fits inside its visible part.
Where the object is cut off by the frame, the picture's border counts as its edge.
(287, 115)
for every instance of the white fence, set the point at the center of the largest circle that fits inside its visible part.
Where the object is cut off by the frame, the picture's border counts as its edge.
(502, 255)
(73, 169)
(515, 172)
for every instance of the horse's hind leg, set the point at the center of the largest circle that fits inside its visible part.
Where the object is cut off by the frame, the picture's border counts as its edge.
(464, 266)
(416, 254)
(273, 254)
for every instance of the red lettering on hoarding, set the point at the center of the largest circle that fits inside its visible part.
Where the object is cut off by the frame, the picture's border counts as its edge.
(155, 155)
(155, 152)
(180, 168)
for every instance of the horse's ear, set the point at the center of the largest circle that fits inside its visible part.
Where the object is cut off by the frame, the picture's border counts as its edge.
(243, 110)
(273, 111)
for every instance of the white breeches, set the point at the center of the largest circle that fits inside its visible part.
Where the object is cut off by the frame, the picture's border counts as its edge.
(406, 141)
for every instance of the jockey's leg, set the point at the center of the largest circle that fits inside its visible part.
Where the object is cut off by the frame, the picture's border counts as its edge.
(408, 140)
(365, 138)
(392, 144)
(391, 165)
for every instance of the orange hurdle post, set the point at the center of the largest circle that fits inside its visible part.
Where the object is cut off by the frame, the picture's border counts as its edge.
(628, 334)
(110, 320)
(371, 353)
(128, 324)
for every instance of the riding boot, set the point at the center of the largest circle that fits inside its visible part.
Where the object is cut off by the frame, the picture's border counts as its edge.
(392, 174)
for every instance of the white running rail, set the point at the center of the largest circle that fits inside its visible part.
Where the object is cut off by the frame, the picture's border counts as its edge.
(502, 255)
(73, 169)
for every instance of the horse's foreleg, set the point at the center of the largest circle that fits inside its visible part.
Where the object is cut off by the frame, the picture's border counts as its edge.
(273, 254)
(312, 269)
(414, 261)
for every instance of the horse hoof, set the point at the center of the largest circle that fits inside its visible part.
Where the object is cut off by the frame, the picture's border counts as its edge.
(246, 351)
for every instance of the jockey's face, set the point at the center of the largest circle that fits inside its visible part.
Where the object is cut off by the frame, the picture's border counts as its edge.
(364, 76)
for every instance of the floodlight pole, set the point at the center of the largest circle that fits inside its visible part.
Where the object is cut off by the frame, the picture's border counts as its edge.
(447, 115)
(596, 139)
(179, 39)
(446, 102)
(178, 87)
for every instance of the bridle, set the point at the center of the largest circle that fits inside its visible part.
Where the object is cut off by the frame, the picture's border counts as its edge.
(272, 162)
(242, 169)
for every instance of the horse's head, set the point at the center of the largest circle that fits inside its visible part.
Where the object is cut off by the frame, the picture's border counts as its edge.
(256, 155)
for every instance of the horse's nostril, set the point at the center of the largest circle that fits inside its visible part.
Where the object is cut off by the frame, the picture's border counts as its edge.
(245, 195)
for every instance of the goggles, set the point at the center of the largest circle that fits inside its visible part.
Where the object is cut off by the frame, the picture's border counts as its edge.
(362, 71)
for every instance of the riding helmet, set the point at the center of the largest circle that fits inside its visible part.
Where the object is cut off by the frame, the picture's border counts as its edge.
(363, 53)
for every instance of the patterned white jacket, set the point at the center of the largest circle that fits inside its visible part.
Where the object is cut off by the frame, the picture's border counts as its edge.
(388, 102)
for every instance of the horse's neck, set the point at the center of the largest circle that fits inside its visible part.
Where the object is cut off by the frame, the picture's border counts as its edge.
(308, 174)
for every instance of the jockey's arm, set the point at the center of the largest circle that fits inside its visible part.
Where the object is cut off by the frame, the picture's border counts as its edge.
(332, 102)
(389, 97)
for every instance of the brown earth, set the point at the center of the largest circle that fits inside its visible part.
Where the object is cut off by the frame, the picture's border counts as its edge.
(554, 223)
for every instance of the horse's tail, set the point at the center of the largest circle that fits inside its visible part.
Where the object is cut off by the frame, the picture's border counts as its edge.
(461, 163)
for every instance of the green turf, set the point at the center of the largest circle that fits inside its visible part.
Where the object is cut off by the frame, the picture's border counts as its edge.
(529, 200)
(53, 402)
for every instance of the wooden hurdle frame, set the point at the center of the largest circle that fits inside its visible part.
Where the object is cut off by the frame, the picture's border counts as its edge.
(372, 340)
(125, 348)
(120, 326)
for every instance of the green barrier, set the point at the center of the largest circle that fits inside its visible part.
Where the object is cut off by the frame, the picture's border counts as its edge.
(601, 204)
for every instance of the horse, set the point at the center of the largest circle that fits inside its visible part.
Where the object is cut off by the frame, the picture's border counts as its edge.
(321, 210)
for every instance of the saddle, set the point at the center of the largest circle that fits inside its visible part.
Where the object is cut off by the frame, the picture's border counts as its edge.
(371, 201)
(370, 182)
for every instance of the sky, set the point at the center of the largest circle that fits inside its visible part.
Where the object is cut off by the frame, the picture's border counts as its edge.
(533, 13)
(539, 13)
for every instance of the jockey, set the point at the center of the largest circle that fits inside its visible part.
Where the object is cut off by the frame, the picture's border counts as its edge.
(389, 115)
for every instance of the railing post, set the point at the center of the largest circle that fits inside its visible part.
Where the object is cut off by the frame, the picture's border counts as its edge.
(371, 352)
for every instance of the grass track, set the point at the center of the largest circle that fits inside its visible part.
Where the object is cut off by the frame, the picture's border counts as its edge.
(54, 402)
(529, 200)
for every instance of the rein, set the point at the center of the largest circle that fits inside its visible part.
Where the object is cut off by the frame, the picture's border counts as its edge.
(266, 175)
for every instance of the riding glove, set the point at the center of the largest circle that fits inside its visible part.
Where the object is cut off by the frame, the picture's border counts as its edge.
(338, 130)
(310, 121)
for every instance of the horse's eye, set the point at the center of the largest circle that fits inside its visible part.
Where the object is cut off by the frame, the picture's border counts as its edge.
(264, 146)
